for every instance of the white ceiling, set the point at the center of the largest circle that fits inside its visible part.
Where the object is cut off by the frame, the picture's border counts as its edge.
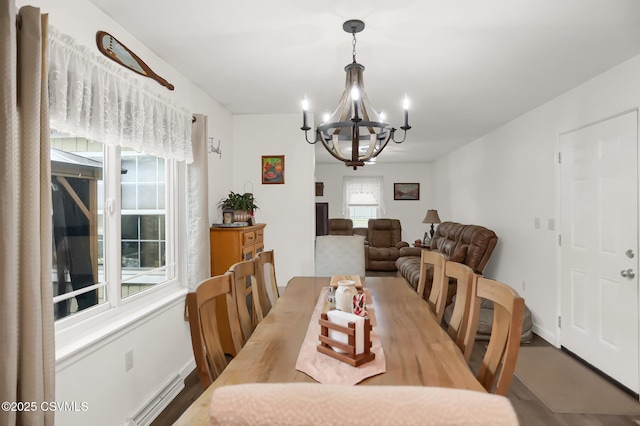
(468, 66)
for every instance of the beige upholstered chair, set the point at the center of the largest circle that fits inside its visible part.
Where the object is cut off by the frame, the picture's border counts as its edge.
(459, 323)
(339, 255)
(203, 324)
(439, 285)
(316, 404)
(499, 362)
(266, 275)
(247, 296)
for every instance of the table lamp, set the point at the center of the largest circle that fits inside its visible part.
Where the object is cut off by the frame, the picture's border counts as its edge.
(432, 217)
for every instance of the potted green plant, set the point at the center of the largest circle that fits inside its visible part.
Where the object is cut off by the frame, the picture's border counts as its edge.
(243, 205)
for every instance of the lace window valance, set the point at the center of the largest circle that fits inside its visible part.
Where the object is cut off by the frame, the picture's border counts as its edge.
(363, 191)
(92, 97)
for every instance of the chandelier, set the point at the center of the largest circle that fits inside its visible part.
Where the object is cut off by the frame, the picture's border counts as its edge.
(355, 133)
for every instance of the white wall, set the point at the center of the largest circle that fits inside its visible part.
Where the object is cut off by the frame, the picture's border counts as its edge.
(160, 341)
(162, 350)
(507, 178)
(410, 213)
(287, 209)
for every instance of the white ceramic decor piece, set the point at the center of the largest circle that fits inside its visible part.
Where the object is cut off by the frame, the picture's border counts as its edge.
(344, 295)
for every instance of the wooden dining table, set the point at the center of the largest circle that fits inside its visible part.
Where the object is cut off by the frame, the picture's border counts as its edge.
(417, 350)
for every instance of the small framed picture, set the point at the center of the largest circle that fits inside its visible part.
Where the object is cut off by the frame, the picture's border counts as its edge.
(227, 216)
(272, 169)
(406, 191)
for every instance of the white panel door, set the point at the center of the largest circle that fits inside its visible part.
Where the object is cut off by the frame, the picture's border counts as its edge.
(599, 246)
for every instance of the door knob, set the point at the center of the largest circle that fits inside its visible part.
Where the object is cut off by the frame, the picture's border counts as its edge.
(629, 254)
(628, 273)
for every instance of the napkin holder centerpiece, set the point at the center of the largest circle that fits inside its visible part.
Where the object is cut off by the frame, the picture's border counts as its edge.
(350, 357)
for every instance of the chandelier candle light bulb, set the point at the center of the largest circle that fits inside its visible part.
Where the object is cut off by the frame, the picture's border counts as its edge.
(405, 107)
(305, 108)
(355, 96)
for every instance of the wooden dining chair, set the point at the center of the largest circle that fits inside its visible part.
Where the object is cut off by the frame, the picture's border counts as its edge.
(459, 323)
(247, 296)
(266, 275)
(439, 285)
(203, 324)
(499, 362)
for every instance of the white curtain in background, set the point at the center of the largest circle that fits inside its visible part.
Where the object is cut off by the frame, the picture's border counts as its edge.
(198, 257)
(95, 98)
(365, 190)
(27, 369)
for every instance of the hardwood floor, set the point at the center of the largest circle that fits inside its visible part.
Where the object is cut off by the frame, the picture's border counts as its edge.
(181, 402)
(533, 412)
(530, 409)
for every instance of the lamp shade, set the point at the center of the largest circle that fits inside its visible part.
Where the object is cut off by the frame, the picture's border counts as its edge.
(431, 217)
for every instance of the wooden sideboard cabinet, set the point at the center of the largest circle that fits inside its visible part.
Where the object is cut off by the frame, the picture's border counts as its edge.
(229, 246)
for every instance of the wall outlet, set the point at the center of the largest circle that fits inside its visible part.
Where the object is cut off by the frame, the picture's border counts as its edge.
(552, 224)
(524, 285)
(128, 360)
(536, 223)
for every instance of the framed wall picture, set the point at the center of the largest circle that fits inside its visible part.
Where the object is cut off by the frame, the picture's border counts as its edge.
(319, 189)
(272, 169)
(406, 191)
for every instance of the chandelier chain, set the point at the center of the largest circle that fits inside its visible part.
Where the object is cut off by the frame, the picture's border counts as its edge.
(353, 43)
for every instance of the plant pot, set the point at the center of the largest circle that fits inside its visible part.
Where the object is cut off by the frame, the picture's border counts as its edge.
(240, 216)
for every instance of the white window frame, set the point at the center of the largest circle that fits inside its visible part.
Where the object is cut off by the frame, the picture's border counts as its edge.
(84, 328)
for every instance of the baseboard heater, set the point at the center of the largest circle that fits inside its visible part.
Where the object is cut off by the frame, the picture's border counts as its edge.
(149, 412)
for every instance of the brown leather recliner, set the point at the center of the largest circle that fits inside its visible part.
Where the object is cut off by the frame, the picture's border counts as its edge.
(340, 226)
(384, 239)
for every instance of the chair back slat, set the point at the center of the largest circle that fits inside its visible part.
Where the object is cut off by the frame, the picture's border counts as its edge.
(439, 286)
(247, 296)
(499, 362)
(458, 327)
(196, 341)
(266, 276)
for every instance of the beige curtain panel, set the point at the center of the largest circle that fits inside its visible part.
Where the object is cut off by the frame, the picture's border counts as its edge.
(198, 258)
(26, 317)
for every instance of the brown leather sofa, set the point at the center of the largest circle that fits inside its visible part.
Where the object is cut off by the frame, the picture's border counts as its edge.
(468, 244)
(384, 242)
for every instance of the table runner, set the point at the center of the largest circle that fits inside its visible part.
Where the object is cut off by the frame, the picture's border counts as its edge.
(327, 370)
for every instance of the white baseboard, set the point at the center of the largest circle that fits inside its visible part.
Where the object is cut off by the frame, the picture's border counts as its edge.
(546, 335)
(163, 398)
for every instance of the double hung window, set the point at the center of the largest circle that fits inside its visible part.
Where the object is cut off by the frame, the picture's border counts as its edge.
(113, 213)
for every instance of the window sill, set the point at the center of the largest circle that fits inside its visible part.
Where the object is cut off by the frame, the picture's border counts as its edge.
(80, 339)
